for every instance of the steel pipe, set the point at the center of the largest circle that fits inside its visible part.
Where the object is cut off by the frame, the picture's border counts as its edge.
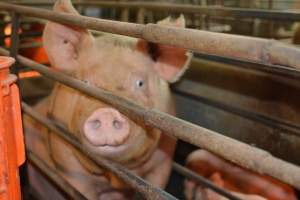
(237, 152)
(54, 176)
(14, 38)
(149, 192)
(202, 181)
(186, 8)
(286, 126)
(240, 47)
(281, 71)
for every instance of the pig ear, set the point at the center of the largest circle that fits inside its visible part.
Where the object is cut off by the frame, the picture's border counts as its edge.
(63, 42)
(170, 62)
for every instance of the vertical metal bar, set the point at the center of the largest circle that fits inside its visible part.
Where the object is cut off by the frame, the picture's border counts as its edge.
(125, 15)
(14, 39)
(140, 18)
(271, 22)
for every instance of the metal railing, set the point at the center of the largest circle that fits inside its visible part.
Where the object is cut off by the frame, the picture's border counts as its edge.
(186, 9)
(235, 151)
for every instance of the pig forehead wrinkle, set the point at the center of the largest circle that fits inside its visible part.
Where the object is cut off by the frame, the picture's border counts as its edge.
(122, 60)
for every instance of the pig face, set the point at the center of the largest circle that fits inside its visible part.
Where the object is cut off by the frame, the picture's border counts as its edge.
(127, 67)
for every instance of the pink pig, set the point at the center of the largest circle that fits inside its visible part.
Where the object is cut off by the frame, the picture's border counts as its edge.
(128, 67)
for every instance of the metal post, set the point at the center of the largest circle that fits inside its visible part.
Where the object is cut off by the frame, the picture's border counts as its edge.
(125, 15)
(271, 22)
(14, 38)
(140, 18)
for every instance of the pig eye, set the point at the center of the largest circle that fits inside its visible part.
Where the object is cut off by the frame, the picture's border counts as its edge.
(86, 81)
(139, 83)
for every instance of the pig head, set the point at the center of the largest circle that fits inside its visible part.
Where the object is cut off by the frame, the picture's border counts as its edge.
(131, 68)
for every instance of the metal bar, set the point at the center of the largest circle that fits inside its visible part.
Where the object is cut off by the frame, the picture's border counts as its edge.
(140, 18)
(123, 28)
(30, 45)
(23, 21)
(145, 188)
(286, 127)
(54, 176)
(240, 47)
(237, 152)
(186, 8)
(15, 40)
(282, 71)
(202, 181)
(125, 15)
(26, 35)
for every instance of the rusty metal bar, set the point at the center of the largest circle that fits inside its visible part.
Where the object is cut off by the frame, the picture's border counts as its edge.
(55, 177)
(202, 181)
(237, 152)
(185, 8)
(149, 192)
(240, 47)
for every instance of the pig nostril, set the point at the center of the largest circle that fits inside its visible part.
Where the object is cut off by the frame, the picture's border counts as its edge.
(95, 124)
(117, 124)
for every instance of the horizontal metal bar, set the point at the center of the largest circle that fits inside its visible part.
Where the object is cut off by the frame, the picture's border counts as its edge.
(145, 188)
(285, 126)
(282, 71)
(24, 35)
(30, 45)
(24, 21)
(54, 176)
(239, 153)
(186, 8)
(203, 181)
(240, 47)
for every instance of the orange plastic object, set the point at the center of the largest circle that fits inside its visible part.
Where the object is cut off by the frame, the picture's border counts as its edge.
(12, 153)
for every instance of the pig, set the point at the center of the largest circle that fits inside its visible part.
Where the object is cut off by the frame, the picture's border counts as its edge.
(134, 69)
(241, 182)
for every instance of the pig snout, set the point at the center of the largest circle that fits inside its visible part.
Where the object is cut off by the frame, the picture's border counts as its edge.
(106, 127)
